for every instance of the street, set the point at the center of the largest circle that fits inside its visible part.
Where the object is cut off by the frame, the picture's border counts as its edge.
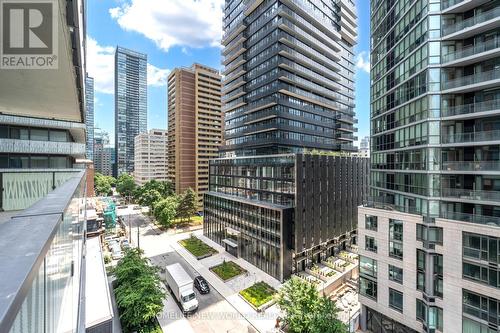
(215, 314)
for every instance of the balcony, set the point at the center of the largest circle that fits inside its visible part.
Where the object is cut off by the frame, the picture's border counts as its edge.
(471, 54)
(468, 83)
(471, 166)
(23, 187)
(473, 218)
(41, 263)
(473, 137)
(472, 26)
(472, 110)
(381, 203)
(42, 147)
(459, 6)
(473, 195)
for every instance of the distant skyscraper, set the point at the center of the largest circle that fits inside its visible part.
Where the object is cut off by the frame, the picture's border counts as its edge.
(102, 154)
(288, 76)
(364, 147)
(151, 156)
(194, 126)
(89, 116)
(130, 105)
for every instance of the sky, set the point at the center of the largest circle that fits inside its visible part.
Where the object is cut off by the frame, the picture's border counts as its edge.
(177, 35)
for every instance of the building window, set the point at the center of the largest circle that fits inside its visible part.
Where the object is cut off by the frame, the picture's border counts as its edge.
(481, 273)
(368, 287)
(435, 318)
(396, 239)
(421, 311)
(481, 247)
(370, 244)
(396, 274)
(420, 270)
(368, 266)
(396, 300)
(432, 235)
(438, 274)
(480, 307)
(371, 222)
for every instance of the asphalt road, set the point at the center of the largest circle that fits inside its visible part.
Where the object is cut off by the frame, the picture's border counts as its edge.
(214, 314)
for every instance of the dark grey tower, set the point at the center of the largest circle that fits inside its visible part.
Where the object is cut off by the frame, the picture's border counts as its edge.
(289, 76)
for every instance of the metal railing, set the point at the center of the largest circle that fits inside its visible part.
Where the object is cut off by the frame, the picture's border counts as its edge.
(471, 79)
(476, 19)
(471, 50)
(473, 218)
(470, 108)
(470, 194)
(381, 203)
(471, 166)
(477, 136)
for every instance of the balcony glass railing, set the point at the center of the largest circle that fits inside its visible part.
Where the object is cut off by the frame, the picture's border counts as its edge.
(41, 147)
(445, 4)
(470, 194)
(471, 79)
(467, 23)
(44, 246)
(477, 136)
(381, 204)
(470, 108)
(473, 218)
(471, 50)
(471, 166)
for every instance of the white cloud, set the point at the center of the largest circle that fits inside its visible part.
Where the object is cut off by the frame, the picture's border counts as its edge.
(192, 23)
(363, 61)
(100, 65)
(156, 76)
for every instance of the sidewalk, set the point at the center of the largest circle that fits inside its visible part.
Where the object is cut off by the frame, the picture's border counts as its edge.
(264, 321)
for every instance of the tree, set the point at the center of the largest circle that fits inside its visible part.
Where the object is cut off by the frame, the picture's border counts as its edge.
(149, 198)
(102, 185)
(125, 185)
(306, 311)
(165, 210)
(139, 295)
(187, 205)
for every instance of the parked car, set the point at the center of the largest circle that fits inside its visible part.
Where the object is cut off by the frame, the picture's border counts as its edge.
(201, 284)
(125, 244)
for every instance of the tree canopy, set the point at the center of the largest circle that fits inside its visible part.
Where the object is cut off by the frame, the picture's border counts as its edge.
(102, 184)
(153, 191)
(306, 311)
(125, 185)
(165, 210)
(187, 205)
(139, 295)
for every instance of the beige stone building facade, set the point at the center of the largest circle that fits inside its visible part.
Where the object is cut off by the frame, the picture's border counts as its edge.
(150, 156)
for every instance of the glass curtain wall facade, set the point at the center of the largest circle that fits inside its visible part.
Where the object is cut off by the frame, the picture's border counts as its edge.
(435, 160)
(289, 71)
(130, 105)
(89, 116)
(283, 213)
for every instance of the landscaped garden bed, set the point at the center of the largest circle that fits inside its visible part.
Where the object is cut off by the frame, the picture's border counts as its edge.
(258, 295)
(227, 270)
(197, 247)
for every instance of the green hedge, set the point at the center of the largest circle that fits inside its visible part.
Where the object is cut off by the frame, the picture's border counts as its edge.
(197, 247)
